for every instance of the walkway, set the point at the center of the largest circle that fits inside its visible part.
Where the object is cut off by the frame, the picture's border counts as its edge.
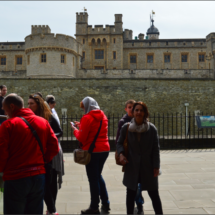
(187, 185)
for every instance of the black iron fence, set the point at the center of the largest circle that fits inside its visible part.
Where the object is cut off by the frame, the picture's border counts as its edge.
(176, 131)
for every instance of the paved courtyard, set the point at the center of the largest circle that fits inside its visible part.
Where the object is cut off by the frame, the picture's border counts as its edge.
(187, 185)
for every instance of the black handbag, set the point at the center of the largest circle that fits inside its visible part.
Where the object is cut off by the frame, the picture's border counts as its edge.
(48, 166)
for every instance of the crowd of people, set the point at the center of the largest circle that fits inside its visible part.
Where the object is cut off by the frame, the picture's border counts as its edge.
(31, 157)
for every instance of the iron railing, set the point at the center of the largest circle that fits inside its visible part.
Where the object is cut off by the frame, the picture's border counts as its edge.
(175, 131)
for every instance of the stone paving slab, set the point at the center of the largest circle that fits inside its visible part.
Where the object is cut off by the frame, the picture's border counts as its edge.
(187, 184)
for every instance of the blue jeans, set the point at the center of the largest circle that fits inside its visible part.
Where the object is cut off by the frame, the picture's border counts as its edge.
(139, 198)
(25, 195)
(96, 181)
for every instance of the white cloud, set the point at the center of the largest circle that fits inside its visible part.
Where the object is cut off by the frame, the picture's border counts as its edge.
(174, 19)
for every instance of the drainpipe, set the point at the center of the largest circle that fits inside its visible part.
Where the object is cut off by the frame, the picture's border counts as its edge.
(186, 114)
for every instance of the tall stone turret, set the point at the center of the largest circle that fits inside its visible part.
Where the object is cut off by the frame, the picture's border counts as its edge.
(153, 32)
(118, 23)
(81, 23)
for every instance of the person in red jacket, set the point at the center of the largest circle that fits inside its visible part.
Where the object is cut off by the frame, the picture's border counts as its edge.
(21, 159)
(88, 127)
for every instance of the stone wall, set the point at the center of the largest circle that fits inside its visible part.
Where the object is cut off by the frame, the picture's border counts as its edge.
(150, 73)
(161, 96)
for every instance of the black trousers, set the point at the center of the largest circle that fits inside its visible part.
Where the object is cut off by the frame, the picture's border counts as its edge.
(51, 193)
(153, 194)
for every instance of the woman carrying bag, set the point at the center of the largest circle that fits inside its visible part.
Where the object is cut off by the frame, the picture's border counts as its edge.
(89, 128)
(143, 161)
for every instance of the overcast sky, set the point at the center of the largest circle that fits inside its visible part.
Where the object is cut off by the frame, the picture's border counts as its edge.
(174, 19)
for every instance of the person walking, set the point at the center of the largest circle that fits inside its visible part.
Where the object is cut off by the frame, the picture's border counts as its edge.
(50, 99)
(143, 162)
(127, 118)
(3, 93)
(88, 127)
(38, 106)
(21, 158)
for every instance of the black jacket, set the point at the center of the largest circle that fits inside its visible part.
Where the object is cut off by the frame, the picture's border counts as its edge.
(1, 111)
(55, 126)
(122, 121)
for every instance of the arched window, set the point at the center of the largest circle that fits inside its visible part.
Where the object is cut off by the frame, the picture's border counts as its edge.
(93, 41)
(99, 41)
(104, 41)
(114, 40)
(83, 41)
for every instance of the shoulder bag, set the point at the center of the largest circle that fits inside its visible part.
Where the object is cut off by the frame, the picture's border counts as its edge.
(48, 166)
(83, 157)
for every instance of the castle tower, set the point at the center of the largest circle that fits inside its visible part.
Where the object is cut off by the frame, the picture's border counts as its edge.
(118, 23)
(153, 32)
(81, 23)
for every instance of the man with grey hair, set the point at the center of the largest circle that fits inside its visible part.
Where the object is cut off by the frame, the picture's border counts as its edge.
(21, 158)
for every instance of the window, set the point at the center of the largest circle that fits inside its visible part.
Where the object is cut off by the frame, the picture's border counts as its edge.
(114, 67)
(99, 67)
(133, 58)
(18, 60)
(83, 41)
(184, 58)
(201, 58)
(114, 40)
(28, 59)
(83, 55)
(63, 58)
(2, 47)
(150, 43)
(99, 54)
(166, 58)
(167, 43)
(184, 44)
(114, 55)
(43, 58)
(3, 60)
(149, 58)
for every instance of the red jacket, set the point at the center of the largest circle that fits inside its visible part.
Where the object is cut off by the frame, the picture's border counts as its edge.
(89, 126)
(20, 154)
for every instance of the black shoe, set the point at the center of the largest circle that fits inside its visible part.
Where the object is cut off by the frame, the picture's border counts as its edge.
(106, 207)
(140, 209)
(90, 211)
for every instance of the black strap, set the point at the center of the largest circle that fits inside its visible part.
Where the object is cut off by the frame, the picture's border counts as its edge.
(35, 135)
(92, 146)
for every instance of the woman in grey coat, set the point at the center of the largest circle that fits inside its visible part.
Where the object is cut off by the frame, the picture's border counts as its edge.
(143, 161)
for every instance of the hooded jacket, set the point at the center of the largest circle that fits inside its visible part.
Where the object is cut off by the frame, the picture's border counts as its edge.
(88, 128)
(20, 154)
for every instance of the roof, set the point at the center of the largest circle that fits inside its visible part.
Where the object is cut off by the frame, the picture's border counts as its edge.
(152, 29)
(167, 40)
(12, 43)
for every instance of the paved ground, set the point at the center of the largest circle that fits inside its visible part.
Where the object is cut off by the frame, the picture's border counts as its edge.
(187, 185)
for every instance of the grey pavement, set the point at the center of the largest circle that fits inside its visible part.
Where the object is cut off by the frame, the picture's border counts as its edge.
(186, 186)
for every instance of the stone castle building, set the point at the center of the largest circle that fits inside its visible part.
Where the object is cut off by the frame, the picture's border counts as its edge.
(107, 52)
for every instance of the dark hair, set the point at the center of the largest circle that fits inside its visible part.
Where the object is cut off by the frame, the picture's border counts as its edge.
(14, 99)
(145, 110)
(130, 101)
(40, 94)
(2, 86)
(50, 99)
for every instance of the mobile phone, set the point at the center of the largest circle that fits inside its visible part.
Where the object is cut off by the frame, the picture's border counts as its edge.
(72, 123)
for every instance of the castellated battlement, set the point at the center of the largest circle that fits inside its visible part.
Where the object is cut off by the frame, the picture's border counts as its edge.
(40, 29)
(82, 18)
(51, 40)
(99, 29)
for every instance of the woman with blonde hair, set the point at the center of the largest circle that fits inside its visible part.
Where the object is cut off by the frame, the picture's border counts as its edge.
(38, 106)
(93, 120)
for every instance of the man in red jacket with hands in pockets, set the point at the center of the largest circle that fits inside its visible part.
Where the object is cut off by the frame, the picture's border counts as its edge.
(21, 159)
